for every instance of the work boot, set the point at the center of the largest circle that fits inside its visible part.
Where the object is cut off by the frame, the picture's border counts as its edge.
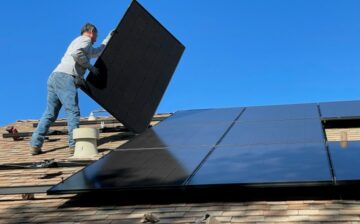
(148, 217)
(35, 150)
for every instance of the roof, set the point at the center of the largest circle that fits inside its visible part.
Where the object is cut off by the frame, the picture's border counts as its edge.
(86, 208)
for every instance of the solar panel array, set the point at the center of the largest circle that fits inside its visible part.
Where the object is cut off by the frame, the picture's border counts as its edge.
(250, 146)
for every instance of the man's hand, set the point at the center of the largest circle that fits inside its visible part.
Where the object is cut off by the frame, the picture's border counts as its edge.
(80, 82)
(95, 71)
(107, 38)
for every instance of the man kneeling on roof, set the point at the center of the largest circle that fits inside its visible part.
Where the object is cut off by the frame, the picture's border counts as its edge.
(63, 83)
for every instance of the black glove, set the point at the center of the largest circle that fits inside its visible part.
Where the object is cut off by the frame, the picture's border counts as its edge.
(80, 82)
(95, 71)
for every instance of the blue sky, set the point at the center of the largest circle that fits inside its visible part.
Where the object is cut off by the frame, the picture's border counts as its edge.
(238, 52)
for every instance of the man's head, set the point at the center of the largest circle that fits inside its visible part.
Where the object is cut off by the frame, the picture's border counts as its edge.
(90, 30)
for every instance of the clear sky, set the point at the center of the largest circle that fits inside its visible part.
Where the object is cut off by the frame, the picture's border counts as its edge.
(238, 52)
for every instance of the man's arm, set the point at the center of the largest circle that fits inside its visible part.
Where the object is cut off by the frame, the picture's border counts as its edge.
(80, 53)
(80, 56)
(96, 52)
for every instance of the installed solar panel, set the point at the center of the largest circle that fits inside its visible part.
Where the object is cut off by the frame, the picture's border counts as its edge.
(136, 68)
(275, 132)
(265, 164)
(187, 128)
(345, 159)
(135, 169)
(280, 112)
(340, 110)
(204, 116)
(182, 135)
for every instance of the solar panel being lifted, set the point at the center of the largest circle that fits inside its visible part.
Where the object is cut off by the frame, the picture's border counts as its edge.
(135, 69)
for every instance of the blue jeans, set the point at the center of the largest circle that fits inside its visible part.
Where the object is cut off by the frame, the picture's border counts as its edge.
(61, 91)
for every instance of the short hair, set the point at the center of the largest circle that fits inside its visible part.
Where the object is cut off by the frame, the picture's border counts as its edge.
(88, 27)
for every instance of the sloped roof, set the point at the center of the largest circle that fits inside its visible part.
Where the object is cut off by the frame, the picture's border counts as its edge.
(75, 209)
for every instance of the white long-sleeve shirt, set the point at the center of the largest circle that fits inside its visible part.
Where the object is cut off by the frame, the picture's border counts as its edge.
(77, 56)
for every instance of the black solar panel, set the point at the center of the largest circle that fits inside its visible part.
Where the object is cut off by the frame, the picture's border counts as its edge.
(136, 68)
(340, 110)
(136, 169)
(265, 164)
(275, 132)
(345, 158)
(187, 128)
(280, 112)
(203, 117)
(179, 135)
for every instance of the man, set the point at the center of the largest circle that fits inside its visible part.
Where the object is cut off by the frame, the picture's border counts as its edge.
(63, 83)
